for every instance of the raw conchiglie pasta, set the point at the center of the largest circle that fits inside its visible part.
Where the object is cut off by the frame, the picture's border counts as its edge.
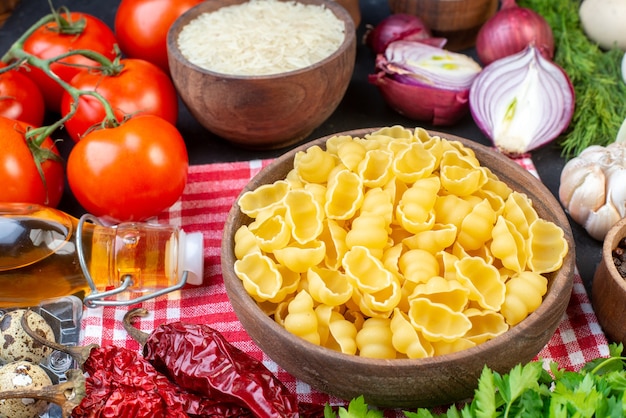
(406, 339)
(547, 246)
(245, 242)
(333, 143)
(524, 293)
(291, 283)
(451, 209)
(485, 325)
(397, 244)
(366, 271)
(377, 201)
(438, 238)
(260, 275)
(447, 292)
(304, 215)
(330, 287)
(344, 195)
(415, 209)
(437, 321)
(301, 319)
(334, 238)
(508, 245)
(323, 314)
(443, 347)
(418, 265)
(375, 168)
(351, 153)
(482, 280)
(342, 336)
(477, 226)
(262, 198)
(458, 176)
(314, 164)
(518, 209)
(413, 163)
(271, 233)
(301, 257)
(374, 340)
(368, 230)
(380, 303)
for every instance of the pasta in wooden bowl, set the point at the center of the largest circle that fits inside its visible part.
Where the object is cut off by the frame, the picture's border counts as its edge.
(396, 263)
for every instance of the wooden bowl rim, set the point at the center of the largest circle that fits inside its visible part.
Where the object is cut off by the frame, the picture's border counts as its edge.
(560, 285)
(339, 11)
(613, 236)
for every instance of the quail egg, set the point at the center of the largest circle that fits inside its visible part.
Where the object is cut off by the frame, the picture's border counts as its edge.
(16, 345)
(22, 375)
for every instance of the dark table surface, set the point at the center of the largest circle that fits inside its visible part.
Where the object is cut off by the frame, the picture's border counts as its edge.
(362, 107)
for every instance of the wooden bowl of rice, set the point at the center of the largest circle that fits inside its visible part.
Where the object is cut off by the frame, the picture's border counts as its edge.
(262, 74)
(399, 381)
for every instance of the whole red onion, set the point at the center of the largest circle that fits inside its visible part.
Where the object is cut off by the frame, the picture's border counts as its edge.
(510, 31)
(397, 27)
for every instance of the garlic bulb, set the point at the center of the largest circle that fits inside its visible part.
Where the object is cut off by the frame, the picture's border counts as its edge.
(593, 188)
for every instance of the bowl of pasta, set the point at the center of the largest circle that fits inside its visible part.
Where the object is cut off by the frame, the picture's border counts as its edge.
(262, 74)
(396, 263)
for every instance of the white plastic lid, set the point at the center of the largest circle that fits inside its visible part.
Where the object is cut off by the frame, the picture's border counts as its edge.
(192, 256)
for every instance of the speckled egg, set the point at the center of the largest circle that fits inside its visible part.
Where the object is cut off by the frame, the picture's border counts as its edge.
(22, 375)
(16, 345)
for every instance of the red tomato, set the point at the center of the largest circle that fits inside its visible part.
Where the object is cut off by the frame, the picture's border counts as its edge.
(131, 172)
(141, 27)
(20, 98)
(50, 41)
(140, 88)
(20, 179)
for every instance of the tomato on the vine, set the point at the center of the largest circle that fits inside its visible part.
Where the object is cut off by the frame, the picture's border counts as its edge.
(141, 27)
(20, 98)
(20, 179)
(139, 88)
(131, 172)
(73, 31)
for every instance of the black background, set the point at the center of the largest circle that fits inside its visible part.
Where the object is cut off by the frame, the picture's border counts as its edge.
(362, 107)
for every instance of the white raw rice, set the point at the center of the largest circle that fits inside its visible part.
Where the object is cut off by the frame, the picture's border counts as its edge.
(261, 37)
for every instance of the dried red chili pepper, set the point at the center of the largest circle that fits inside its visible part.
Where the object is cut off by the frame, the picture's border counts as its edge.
(199, 359)
(122, 383)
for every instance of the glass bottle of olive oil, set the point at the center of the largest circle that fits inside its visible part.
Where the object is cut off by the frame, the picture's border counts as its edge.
(46, 253)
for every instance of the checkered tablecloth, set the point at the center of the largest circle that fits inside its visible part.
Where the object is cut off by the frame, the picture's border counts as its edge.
(207, 199)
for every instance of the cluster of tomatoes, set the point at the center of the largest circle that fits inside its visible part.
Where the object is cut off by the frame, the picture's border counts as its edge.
(110, 90)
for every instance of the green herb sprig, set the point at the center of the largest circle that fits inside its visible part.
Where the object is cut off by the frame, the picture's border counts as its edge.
(529, 390)
(594, 73)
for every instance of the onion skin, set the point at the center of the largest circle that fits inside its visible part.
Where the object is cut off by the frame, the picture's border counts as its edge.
(425, 83)
(522, 102)
(400, 26)
(510, 31)
(435, 106)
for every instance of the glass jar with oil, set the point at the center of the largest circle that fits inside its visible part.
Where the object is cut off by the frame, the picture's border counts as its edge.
(46, 253)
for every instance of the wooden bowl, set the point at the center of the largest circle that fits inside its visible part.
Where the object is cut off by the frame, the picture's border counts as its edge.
(608, 291)
(263, 112)
(405, 383)
(457, 20)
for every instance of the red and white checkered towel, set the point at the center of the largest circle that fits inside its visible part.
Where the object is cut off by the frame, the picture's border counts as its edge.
(204, 206)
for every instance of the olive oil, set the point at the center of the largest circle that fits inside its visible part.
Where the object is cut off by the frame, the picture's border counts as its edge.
(40, 250)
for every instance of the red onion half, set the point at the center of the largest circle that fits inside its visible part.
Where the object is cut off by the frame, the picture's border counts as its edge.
(397, 27)
(510, 31)
(522, 101)
(425, 83)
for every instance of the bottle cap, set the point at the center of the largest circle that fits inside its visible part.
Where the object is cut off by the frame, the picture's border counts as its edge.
(192, 257)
